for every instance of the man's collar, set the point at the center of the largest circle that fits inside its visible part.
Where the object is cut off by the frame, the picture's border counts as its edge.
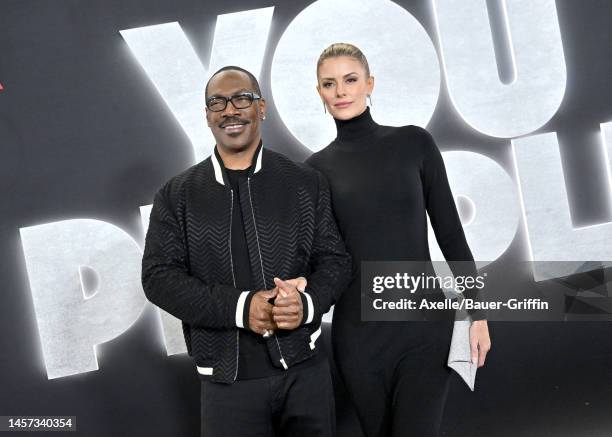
(219, 167)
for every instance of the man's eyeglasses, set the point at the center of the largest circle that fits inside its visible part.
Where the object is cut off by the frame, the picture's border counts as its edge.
(240, 101)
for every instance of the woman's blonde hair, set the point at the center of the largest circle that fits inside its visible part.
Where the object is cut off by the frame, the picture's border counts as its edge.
(344, 49)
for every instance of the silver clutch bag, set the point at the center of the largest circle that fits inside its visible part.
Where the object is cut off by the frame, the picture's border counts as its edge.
(459, 358)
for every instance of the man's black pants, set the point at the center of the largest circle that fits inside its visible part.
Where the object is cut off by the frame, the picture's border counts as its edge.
(299, 402)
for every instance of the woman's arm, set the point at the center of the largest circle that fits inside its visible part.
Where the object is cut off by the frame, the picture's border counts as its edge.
(445, 219)
(447, 226)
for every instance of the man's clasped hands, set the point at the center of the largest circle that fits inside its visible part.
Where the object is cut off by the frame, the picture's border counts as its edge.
(284, 312)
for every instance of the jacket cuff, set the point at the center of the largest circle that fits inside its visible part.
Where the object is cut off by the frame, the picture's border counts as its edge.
(308, 308)
(242, 309)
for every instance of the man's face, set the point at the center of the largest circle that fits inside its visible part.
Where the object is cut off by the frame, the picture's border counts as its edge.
(235, 129)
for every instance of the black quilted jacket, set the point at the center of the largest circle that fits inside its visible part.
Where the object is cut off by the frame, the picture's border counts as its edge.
(290, 230)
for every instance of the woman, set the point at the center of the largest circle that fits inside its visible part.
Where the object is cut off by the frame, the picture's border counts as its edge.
(383, 180)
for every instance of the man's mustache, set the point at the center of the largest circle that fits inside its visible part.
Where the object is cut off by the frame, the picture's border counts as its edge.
(233, 120)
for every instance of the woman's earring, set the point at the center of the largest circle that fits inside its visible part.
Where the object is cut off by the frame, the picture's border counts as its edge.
(324, 108)
(263, 116)
(370, 99)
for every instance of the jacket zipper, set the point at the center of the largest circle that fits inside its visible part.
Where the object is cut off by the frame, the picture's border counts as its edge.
(233, 276)
(263, 277)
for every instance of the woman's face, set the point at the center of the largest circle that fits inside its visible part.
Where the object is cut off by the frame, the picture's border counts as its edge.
(343, 86)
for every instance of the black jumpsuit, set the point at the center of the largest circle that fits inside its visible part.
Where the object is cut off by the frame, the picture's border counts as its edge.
(383, 180)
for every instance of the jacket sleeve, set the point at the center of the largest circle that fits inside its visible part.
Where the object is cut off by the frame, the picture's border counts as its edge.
(166, 279)
(330, 263)
(445, 219)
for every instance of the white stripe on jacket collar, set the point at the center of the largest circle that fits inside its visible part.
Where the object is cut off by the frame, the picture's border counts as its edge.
(218, 164)
(217, 167)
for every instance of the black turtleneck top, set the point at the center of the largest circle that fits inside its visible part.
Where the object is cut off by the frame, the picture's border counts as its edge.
(383, 181)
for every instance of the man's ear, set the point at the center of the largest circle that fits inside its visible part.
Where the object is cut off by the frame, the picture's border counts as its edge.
(262, 106)
(206, 111)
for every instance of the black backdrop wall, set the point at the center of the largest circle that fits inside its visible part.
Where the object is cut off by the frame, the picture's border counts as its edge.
(84, 134)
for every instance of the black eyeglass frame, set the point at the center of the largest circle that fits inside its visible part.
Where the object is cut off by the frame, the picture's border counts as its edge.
(252, 96)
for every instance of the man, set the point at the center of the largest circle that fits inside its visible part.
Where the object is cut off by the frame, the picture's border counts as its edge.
(223, 236)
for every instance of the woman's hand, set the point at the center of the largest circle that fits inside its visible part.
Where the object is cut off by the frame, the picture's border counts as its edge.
(480, 343)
